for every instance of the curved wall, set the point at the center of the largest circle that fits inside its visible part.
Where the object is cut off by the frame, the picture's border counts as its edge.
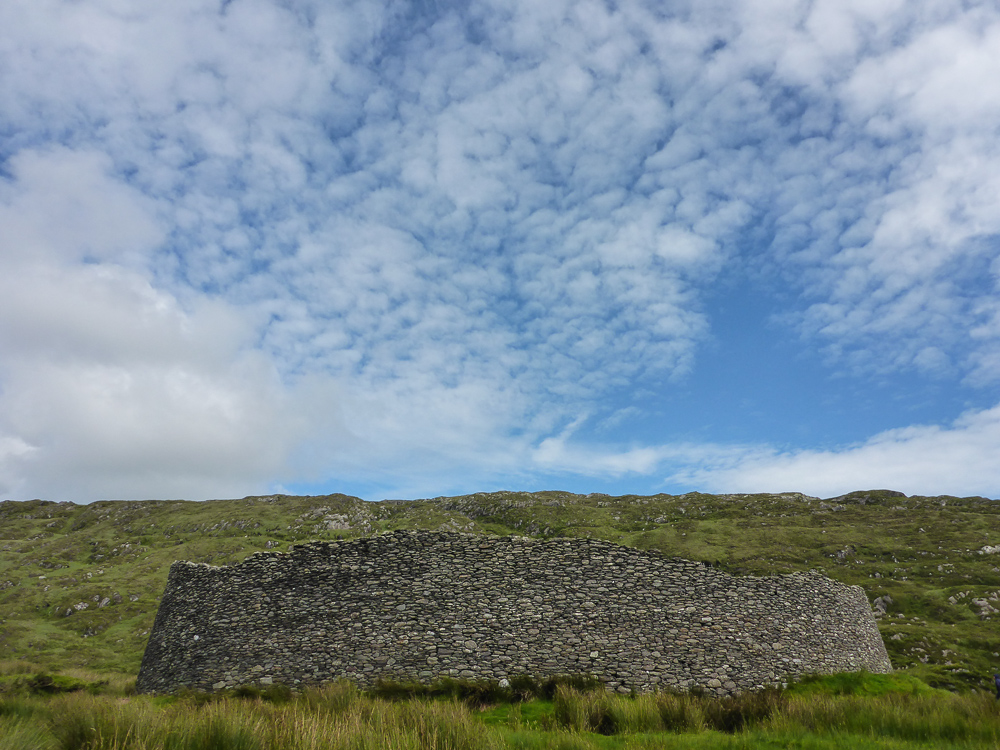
(428, 604)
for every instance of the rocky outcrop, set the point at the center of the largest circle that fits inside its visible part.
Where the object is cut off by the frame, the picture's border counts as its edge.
(422, 605)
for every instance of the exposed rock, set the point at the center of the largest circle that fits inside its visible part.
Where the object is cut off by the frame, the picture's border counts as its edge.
(985, 608)
(335, 521)
(881, 605)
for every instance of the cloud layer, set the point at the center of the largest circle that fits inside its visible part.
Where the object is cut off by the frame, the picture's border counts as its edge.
(417, 246)
(920, 460)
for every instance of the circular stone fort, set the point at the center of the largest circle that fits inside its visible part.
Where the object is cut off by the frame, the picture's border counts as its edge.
(424, 605)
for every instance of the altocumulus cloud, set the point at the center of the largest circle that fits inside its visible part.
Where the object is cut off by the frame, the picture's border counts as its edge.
(415, 245)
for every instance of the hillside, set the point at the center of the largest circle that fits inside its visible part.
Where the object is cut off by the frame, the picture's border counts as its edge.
(79, 583)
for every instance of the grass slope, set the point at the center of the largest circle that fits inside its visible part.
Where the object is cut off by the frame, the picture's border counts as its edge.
(79, 583)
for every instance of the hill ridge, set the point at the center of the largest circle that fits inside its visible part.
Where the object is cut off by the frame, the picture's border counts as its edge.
(79, 583)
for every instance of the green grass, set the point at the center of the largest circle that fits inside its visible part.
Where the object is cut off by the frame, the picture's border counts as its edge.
(920, 551)
(520, 688)
(338, 717)
(863, 684)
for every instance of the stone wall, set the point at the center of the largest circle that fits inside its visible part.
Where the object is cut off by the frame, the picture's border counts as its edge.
(427, 604)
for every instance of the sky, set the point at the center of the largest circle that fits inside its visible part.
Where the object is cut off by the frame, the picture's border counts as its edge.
(403, 249)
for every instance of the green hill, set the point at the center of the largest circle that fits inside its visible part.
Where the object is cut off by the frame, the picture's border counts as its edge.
(79, 583)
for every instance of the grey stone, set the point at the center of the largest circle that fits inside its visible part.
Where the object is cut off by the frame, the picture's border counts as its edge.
(419, 605)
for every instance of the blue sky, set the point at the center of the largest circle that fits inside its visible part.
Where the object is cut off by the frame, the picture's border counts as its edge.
(409, 249)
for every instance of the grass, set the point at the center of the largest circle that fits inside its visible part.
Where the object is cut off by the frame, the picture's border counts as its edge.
(67, 681)
(310, 722)
(833, 712)
(113, 557)
(520, 688)
(863, 684)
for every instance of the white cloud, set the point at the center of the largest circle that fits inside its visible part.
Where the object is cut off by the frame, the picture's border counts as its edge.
(62, 209)
(113, 388)
(899, 272)
(958, 459)
(554, 454)
(455, 227)
(110, 387)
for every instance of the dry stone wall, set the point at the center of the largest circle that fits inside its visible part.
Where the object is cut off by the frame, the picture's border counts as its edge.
(423, 605)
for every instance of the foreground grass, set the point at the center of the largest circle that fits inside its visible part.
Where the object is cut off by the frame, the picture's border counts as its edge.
(906, 715)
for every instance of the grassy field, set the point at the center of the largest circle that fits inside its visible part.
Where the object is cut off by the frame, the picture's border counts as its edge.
(847, 711)
(79, 583)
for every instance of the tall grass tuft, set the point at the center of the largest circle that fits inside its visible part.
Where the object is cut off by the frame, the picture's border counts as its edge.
(335, 698)
(335, 718)
(220, 726)
(19, 707)
(340, 717)
(744, 711)
(592, 712)
(17, 666)
(680, 713)
(484, 692)
(612, 714)
(917, 718)
(86, 722)
(22, 734)
(440, 725)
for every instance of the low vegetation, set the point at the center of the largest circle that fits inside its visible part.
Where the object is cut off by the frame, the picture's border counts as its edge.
(79, 583)
(856, 711)
(79, 588)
